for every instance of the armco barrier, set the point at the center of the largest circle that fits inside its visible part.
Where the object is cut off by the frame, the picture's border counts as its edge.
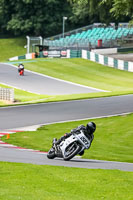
(7, 94)
(108, 61)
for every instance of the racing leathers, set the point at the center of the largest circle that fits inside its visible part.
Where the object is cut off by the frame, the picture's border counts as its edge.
(77, 131)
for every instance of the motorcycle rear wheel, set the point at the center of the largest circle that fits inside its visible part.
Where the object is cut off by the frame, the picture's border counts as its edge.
(75, 149)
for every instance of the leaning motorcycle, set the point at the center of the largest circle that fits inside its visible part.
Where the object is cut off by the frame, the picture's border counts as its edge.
(70, 147)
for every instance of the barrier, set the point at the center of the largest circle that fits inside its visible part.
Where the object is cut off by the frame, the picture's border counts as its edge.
(75, 53)
(93, 55)
(108, 61)
(7, 94)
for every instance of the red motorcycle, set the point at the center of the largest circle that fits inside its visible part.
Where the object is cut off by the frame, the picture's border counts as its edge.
(21, 72)
(21, 69)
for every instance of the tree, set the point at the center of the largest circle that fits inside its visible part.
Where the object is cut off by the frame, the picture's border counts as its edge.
(91, 11)
(104, 11)
(123, 8)
(36, 17)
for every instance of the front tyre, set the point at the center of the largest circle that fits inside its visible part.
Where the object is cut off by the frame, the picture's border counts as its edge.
(71, 151)
(51, 154)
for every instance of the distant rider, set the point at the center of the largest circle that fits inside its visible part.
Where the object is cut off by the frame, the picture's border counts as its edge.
(20, 67)
(88, 130)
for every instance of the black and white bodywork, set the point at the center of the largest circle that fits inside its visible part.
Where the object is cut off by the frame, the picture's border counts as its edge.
(73, 143)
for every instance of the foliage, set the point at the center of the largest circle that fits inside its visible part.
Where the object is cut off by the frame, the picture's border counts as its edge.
(120, 9)
(30, 16)
(91, 10)
(40, 17)
(123, 8)
(104, 11)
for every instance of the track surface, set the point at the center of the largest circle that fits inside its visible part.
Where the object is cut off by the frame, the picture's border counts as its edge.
(15, 117)
(12, 117)
(13, 155)
(40, 84)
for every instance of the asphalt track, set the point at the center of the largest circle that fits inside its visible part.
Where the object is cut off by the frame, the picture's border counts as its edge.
(15, 117)
(30, 115)
(40, 84)
(20, 156)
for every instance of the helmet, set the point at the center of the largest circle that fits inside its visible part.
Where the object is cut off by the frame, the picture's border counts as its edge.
(91, 127)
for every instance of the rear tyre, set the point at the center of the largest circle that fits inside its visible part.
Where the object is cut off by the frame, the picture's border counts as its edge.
(72, 151)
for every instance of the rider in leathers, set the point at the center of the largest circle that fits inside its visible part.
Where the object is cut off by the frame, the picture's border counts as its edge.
(20, 67)
(88, 130)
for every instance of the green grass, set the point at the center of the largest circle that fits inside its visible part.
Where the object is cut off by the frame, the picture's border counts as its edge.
(112, 141)
(76, 70)
(83, 72)
(26, 181)
(24, 96)
(32, 182)
(12, 47)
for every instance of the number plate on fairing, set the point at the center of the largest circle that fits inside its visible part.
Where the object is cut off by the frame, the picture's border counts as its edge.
(84, 140)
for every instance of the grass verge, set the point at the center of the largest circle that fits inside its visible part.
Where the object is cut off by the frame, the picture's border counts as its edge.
(27, 181)
(12, 47)
(112, 141)
(85, 72)
(79, 71)
(22, 96)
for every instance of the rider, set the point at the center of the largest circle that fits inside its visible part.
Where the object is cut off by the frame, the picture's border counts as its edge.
(20, 67)
(88, 130)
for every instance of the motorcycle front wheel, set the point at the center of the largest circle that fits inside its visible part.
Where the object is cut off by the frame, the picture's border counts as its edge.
(71, 151)
(51, 154)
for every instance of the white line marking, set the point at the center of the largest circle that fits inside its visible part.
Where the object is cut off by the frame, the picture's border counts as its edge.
(59, 79)
(20, 88)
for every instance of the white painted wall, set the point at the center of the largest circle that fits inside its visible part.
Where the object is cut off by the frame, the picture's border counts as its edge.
(101, 59)
(68, 53)
(92, 56)
(121, 64)
(110, 62)
(105, 51)
(130, 66)
(84, 54)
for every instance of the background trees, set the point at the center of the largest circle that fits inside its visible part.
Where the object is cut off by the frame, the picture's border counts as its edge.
(36, 17)
(41, 17)
(104, 11)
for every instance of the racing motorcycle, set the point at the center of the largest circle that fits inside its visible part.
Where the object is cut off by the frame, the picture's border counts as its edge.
(71, 146)
(21, 69)
(21, 72)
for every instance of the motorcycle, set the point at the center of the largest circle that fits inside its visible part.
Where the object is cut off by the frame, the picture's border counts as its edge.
(21, 72)
(70, 147)
(21, 69)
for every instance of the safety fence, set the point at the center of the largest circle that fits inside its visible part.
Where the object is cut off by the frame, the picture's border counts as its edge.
(26, 56)
(97, 56)
(7, 94)
(108, 61)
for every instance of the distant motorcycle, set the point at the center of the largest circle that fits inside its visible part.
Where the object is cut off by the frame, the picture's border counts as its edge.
(70, 147)
(21, 72)
(21, 69)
